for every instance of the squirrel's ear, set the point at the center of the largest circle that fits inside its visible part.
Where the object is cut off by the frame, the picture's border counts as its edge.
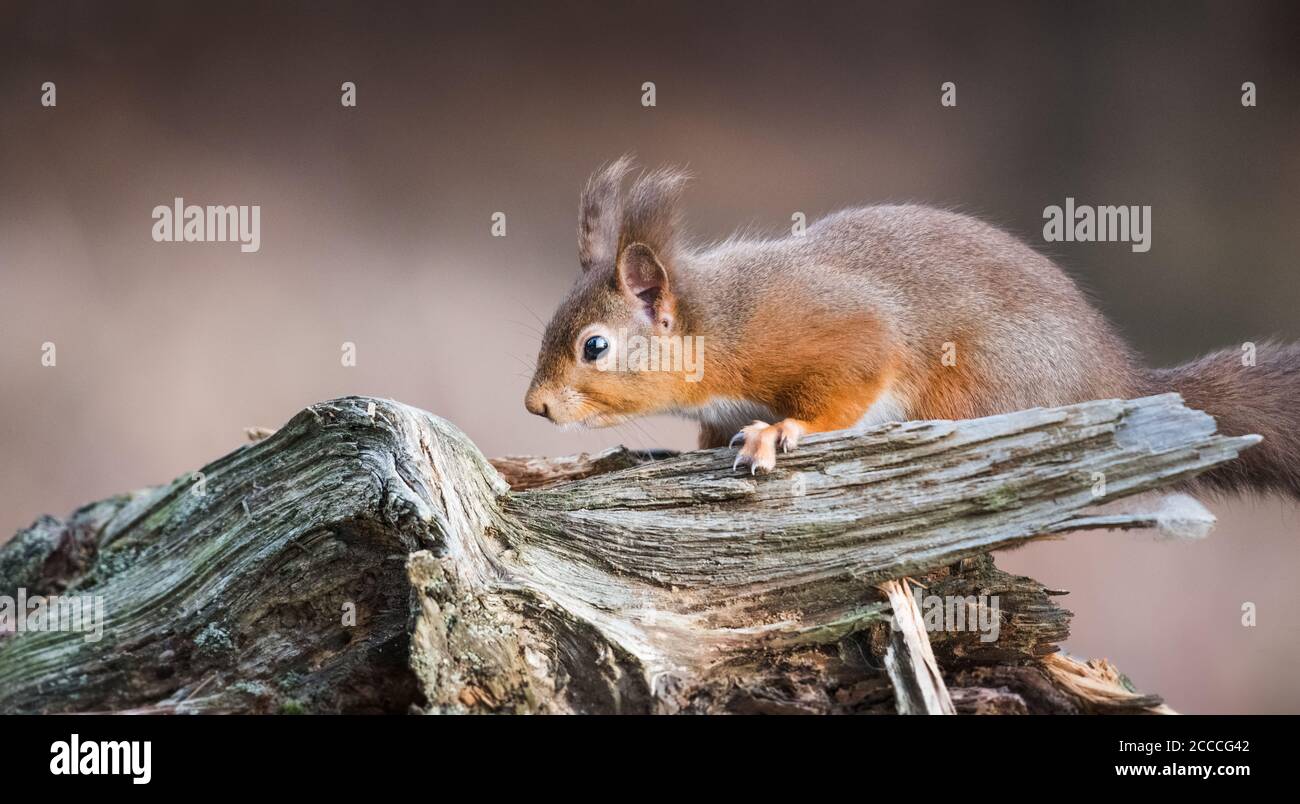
(599, 214)
(650, 213)
(644, 280)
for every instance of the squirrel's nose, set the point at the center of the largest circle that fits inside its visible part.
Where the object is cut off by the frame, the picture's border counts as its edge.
(536, 403)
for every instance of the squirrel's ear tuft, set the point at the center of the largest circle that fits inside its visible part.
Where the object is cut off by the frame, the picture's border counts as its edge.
(600, 213)
(650, 215)
(644, 280)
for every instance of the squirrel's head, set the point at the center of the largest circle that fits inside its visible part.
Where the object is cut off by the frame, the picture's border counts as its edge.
(601, 357)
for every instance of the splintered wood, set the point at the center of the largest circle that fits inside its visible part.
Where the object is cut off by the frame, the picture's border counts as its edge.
(918, 684)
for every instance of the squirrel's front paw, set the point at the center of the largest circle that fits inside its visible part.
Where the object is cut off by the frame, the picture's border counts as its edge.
(761, 441)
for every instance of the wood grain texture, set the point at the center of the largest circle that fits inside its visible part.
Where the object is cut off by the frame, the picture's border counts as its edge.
(667, 585)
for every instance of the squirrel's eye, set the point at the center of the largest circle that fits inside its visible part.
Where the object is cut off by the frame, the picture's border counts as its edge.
(595, 346)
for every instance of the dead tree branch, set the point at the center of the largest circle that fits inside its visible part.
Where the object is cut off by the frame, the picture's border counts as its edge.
(358, 562)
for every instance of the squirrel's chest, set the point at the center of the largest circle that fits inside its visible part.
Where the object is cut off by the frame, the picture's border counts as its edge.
(726, 413)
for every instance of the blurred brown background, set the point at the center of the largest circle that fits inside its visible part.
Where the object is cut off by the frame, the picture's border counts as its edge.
(375, 225)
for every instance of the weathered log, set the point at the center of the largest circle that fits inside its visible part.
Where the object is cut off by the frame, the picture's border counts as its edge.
(667, 585)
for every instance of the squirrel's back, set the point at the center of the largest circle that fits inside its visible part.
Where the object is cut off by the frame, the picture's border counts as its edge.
(981, 323)
(1020, 333)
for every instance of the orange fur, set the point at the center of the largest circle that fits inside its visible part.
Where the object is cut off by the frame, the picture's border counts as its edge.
(848, 323)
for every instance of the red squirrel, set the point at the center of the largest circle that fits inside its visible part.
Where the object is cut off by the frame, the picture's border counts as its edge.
(873, 314)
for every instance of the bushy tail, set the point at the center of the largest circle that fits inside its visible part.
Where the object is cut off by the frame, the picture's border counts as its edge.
(1263, 398)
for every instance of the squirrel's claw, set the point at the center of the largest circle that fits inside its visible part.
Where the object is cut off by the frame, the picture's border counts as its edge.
(760, 441)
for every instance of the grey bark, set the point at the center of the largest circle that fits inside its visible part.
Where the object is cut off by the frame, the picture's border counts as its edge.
(624, 582)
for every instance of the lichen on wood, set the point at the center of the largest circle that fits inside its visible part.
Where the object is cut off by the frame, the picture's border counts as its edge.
(367, 557)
